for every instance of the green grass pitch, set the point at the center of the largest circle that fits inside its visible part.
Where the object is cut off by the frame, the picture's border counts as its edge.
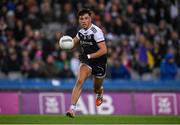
(88, 119)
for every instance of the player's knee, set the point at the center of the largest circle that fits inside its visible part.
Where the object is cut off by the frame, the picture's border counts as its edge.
(79, 82)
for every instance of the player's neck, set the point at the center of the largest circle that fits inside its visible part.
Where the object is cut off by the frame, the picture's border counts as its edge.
(88, 26)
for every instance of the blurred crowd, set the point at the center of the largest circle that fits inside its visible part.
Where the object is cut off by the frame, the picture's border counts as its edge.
(142, 37)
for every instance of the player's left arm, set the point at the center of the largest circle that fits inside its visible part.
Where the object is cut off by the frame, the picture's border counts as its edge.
(102, 50)
(99, 38)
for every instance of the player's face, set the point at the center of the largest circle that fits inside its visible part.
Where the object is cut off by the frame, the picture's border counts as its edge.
(85, 21)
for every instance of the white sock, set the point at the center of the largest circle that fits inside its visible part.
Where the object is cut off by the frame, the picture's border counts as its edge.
(73, 107)
(99, 95)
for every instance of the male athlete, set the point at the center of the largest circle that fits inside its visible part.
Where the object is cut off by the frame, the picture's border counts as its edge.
(93, 59)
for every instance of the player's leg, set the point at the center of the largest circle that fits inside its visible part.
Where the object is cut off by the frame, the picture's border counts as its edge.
(83, 74)
(99, 73)
(98, 89)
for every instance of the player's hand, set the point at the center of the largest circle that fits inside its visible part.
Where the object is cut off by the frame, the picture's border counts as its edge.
(83, 57)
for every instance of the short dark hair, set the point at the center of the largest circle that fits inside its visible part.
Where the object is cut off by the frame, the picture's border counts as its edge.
(84, 11)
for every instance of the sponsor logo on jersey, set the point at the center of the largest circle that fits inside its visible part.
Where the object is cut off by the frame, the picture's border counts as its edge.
(86, 43)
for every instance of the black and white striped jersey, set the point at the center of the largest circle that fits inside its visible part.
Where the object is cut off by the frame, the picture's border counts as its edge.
(89, 39)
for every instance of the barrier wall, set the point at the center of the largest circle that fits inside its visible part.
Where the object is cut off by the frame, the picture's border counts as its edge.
(67, 84)
(9, 103)
(140, 103)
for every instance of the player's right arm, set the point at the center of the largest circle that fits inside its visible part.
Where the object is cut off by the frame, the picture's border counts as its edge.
(76, 41)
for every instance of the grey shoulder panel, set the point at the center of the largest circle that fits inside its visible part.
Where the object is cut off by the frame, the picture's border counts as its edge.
(93, 29)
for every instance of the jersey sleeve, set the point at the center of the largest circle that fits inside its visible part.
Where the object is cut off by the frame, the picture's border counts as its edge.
(99, 36)
(77, 35)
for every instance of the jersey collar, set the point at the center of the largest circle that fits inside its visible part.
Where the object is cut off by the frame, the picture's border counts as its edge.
(88, 28)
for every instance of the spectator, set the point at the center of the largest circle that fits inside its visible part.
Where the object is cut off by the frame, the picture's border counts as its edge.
(119, 71)
(142, 56)
(50, 70)
(12, 62)
(63, 64)
(168, 68)
(36, 70)
(19, 32)
(26, 66)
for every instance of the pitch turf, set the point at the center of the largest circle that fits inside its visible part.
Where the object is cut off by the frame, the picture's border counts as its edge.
(88, 119)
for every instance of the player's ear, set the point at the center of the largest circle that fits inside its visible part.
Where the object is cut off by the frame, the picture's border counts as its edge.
(90, 18)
